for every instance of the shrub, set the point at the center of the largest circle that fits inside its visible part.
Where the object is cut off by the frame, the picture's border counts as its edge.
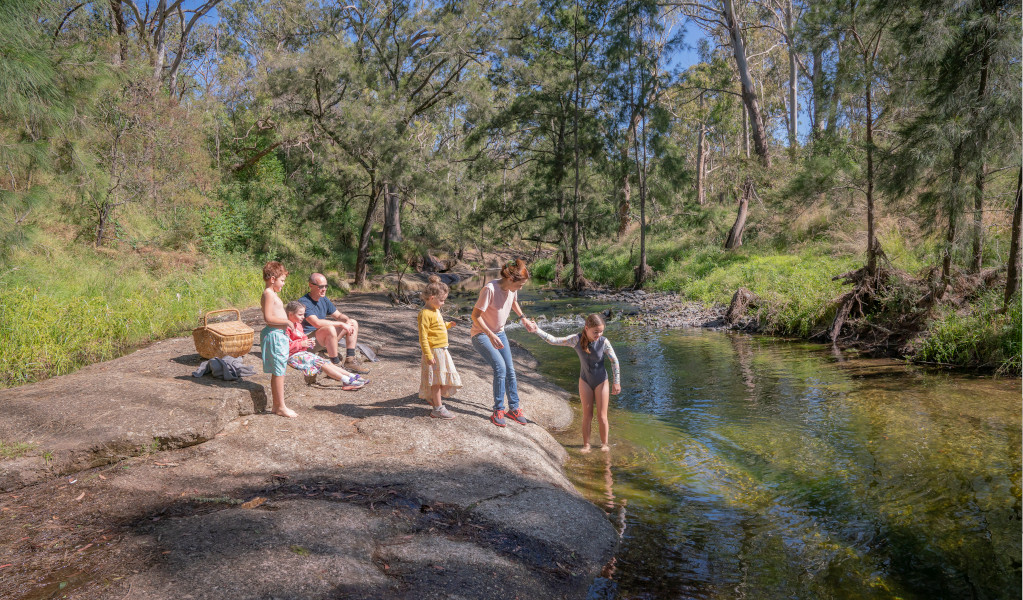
(981, 338)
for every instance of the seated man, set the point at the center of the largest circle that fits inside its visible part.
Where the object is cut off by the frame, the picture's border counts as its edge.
(327, 325)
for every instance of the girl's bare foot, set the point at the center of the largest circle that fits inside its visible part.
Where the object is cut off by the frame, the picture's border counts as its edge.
(284, 411)
(585, 448)
(605, 448)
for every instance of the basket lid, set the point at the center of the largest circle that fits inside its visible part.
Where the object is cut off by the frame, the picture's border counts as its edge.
(229, 328)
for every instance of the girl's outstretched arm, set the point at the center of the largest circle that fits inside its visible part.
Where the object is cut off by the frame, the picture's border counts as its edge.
(616, 373)
(569, 340)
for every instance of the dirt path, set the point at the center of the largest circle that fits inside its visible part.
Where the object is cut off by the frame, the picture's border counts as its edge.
(143, 482)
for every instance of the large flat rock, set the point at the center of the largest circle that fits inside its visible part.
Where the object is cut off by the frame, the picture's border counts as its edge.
(363, 495)
(143, 402)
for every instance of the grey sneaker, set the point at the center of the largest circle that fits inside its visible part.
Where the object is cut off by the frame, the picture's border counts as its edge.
(442, 413)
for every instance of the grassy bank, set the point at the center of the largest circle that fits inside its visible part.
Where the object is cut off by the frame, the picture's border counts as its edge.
(797, 288)
(798, 295)
(68, 307)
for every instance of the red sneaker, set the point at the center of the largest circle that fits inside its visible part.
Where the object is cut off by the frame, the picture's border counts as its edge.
(518, 416)
(498, 418)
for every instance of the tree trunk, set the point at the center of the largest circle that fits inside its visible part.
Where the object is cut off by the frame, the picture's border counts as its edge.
(101, 226)
(749, 96)
(735, 233)
(946, 260)
(1013, 268)
(701, 158)
(745, 132)
(367, 224)
(625, 204)
(640, 274)
(835, 88)
(392, 219)
(117, 20)
(978, 221)
(793, 82)
(978, 194)
(816, 93)
(871, 243)
(641, 269)
(159, 40)
(577, 273)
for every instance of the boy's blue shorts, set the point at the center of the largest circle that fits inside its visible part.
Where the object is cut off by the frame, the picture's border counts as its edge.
(274, 344)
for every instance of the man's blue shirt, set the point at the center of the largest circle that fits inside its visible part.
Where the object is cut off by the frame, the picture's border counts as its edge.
(320, 309)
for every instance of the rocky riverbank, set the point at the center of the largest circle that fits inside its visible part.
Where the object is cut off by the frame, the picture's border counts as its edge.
(660, 309)
(132, 479)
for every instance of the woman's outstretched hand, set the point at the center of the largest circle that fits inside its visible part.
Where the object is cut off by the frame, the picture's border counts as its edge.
(529, 325)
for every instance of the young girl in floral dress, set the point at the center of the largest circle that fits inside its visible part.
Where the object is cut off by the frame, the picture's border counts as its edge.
(310, 364)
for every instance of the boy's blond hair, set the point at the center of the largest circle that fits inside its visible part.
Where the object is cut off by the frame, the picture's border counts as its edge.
(273, 269)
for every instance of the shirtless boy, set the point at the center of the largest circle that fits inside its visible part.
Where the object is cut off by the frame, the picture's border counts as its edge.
(273, 340)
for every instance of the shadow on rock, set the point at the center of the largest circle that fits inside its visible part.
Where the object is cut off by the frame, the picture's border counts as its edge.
(408, 407)
(323, 536)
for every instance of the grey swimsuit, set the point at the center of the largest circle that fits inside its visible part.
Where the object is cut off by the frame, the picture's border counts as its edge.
(591, 364)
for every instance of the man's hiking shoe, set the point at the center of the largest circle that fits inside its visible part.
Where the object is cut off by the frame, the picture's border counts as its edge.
(354, 365)
(442, 413)
(517, 415)
(498, 418)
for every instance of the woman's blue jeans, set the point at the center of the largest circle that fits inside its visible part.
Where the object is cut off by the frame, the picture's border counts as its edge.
(504, 370)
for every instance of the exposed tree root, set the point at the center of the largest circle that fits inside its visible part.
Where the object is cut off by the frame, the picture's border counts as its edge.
(886, 312)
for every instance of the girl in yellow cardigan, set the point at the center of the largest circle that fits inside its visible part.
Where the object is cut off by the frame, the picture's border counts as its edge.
(439, 377)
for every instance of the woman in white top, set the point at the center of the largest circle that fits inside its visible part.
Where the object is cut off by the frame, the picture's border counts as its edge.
(497, 300)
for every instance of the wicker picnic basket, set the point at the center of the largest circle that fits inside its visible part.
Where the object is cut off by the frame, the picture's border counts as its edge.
(229, 338)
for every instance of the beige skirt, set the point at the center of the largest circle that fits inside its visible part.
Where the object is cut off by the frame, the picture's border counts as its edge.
(442, 373)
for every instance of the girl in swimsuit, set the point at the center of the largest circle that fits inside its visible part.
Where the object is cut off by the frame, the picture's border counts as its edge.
(592, 348)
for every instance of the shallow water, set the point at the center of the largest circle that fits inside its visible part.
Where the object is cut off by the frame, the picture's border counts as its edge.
(748, 467)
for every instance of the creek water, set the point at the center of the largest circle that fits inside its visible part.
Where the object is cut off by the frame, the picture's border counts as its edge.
(749, 467)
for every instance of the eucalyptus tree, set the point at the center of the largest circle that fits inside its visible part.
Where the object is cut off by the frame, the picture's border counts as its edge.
(160, 31)
(818, 36)
(727, 16)
(702, 98)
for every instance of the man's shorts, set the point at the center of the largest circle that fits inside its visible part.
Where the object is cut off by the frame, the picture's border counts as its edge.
(274, 344)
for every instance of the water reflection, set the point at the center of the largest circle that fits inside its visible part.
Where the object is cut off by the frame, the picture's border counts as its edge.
(764, 469)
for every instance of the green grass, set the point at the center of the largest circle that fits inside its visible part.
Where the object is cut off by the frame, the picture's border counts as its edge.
(14, 449)
(980, 339)
(797, 289)
(65, 308)
(797, 292)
